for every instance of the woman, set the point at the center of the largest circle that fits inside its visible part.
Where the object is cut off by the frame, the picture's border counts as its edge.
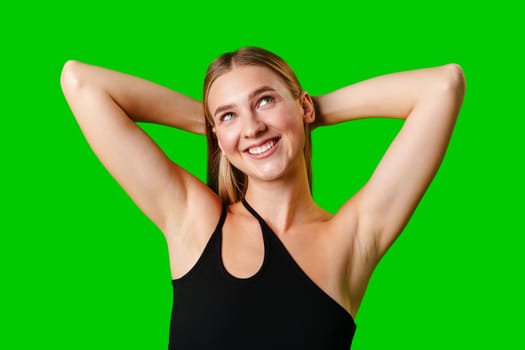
(255, 262)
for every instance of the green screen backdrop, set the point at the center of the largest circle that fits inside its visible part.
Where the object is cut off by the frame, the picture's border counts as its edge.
(83, 268)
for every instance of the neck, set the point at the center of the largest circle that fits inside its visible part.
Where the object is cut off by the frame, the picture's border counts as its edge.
(283, 202)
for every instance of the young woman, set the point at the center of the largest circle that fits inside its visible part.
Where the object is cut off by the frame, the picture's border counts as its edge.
(255, 262)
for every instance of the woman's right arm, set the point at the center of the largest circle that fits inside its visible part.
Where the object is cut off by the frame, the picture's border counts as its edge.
(107, 105)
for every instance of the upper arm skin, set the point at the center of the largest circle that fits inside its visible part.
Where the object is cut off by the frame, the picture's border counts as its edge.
(384, 205)
(162, 189)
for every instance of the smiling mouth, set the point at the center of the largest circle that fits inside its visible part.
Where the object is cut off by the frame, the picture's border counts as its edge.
(262, 148)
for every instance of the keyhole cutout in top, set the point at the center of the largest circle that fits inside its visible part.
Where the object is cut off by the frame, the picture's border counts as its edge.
(242, 247)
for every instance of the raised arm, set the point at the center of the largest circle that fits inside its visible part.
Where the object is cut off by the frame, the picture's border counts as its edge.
(430, 100)
(106, 105)
(392, 95)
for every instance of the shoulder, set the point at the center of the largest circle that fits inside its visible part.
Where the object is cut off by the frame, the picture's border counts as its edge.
(351, 229)
(202, 214)
(345, 222)
(187, 238)
(353, 239)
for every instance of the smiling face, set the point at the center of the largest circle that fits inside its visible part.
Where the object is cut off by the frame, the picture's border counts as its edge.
(258, 123)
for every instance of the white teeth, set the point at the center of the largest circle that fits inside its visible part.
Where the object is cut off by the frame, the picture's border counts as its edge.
(262, 149)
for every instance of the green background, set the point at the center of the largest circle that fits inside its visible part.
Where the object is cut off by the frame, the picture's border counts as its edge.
(83, 268)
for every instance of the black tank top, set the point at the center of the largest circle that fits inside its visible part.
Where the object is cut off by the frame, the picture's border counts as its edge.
(279, 307)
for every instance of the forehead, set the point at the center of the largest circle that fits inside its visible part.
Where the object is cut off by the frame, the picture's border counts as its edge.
(235, 86)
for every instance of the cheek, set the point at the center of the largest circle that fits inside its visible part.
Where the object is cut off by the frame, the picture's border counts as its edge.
(291, 120)
(295, 127)
(227, 141)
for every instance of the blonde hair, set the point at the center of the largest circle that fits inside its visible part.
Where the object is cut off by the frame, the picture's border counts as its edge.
(225, 179)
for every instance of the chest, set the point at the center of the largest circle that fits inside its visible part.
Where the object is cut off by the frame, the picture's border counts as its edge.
(251, 286)
(312, 249)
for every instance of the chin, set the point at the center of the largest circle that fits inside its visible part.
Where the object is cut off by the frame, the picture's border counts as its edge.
(272, 173)
(269, 170)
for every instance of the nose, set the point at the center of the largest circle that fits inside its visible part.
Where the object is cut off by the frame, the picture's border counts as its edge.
(253, 126)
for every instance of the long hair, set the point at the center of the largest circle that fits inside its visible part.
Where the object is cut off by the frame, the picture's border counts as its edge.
(224, 178)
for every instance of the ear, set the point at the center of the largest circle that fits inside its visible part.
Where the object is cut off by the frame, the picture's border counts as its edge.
(214, 130)
(219, 144)
(308, 108)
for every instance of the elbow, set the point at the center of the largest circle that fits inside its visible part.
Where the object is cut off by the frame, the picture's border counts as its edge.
(454, 79)
(69, 77)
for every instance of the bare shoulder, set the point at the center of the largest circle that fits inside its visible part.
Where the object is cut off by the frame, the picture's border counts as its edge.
(187, 236)
(355, 233)
(345, 223)
(201, 212)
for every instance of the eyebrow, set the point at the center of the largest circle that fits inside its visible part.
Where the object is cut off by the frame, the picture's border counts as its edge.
(252, 94)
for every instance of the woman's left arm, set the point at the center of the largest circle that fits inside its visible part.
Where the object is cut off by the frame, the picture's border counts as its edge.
(429, 99)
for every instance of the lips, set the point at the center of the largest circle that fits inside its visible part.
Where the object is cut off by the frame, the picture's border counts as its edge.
(263, 147)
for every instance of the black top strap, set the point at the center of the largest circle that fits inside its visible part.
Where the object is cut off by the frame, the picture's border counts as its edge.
(252, 211)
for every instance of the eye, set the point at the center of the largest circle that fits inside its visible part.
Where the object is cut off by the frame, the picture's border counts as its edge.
(226, 117)
(265, 100)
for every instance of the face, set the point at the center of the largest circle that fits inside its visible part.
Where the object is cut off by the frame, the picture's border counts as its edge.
(258, 123)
